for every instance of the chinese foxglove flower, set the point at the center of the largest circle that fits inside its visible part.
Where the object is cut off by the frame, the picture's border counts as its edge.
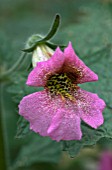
(106, 161)
(58, 109)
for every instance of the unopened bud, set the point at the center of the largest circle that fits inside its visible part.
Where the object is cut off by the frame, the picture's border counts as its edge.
(41, 53)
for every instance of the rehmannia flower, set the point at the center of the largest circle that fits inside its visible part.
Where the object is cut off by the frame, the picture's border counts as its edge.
(57, 111)
(105, 162)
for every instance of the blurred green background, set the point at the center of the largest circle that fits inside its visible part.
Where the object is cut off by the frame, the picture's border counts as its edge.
(88, 24)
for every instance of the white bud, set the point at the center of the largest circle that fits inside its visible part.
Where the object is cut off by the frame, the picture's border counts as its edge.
(41, 53)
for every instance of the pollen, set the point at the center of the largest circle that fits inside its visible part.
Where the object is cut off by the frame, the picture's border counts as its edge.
(61, 84)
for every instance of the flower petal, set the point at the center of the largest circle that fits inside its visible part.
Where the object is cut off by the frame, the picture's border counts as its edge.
(48, 119)
(105, 162)
(40, 74)
(38, 109)
(77, 68)
(65, 125)
(91, 106)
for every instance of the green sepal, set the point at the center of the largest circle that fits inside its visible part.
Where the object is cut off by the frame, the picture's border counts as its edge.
(54, 46)
(50, 34)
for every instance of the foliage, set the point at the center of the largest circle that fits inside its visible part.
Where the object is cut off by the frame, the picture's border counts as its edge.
(88, 25)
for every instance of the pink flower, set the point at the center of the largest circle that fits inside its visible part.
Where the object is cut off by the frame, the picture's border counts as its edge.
(58, 109)
(106, 161)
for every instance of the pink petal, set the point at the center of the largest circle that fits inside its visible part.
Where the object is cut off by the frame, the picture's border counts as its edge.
(106, 161)
(91, 107)
(40, 74)
(50, 116)
(65, 125)
(77, 68)
(38, 109)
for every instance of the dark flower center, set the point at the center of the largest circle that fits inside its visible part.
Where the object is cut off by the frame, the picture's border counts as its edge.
(61, 84)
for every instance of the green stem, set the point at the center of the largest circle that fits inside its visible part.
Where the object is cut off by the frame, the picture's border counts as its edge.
(25, 64)
(4, 149)
(14, 67)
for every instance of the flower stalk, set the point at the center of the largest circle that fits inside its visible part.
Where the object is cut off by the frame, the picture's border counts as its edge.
(4, 150)
(13, 68)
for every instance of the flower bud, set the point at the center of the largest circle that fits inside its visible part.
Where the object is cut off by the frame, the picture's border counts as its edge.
(41, 53)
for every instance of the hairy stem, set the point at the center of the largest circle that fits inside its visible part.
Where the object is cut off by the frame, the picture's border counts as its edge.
(14, 67)
(4, 149)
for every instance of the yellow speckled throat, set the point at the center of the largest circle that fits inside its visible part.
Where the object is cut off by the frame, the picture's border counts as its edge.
(61, 84)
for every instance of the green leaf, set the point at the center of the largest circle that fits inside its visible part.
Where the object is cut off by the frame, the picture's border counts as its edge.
(101, 63)
(23, 128)
(9, 52)
(38, 149)
(105, 143)
(18, 88)
(93, 32)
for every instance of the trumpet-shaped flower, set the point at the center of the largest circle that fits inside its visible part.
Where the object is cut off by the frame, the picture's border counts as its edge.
(57, 111)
